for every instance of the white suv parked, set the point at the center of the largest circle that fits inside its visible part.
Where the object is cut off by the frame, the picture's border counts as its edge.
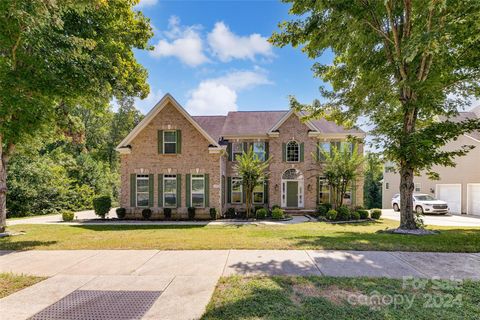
(423, 203)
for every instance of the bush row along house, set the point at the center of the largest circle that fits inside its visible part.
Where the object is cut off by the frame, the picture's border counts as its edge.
(174, 160)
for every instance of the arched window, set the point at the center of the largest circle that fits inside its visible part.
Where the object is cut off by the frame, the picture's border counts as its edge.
(292, 174)
(293, 151)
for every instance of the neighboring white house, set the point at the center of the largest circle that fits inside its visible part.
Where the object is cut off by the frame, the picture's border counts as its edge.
(459, 186)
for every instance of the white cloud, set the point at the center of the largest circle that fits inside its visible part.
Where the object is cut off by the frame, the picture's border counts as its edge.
(219, 95)
(146, 3)
(184, 43)
(149, 102)
(227, 45)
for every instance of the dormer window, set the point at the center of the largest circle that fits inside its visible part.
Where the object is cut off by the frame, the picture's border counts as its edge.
(293, 151)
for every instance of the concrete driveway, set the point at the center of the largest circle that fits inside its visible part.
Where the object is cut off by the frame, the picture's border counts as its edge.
(449, 220)
(185, 280)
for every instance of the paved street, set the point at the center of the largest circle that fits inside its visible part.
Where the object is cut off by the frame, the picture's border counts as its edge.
(186, 279)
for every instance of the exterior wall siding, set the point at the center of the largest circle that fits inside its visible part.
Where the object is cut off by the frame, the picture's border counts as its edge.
(466, 171)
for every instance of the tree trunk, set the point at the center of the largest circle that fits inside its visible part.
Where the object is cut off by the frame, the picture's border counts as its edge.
(3, 188)
(407, 218)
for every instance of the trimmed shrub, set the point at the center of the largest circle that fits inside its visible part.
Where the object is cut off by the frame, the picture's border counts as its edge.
(261, 213)
(121, 213)
(191, 213)
(363, 214)
(277, 214)
(275, 206)
(102, 205)
(258, 208)
(355, 215)
(146, 213)
(322, 210)
(213, 213)
(343, 213)
(332, 215)
(231, 213)
(327, 205)
(167, 212)
(376, 213)
(67, 215)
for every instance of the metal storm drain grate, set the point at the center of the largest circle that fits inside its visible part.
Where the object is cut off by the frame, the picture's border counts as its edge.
(100, 305)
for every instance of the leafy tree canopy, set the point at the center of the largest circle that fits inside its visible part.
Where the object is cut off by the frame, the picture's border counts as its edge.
(408, 66)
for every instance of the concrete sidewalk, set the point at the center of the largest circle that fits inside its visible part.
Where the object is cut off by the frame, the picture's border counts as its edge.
(187, 278)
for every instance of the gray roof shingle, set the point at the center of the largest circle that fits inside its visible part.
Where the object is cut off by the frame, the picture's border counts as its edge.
(244, 123)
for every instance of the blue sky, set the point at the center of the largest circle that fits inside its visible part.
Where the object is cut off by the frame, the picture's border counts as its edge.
(213, 57)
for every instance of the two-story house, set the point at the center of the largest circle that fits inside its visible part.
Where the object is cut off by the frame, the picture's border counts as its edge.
(459, 186)
(174, 160)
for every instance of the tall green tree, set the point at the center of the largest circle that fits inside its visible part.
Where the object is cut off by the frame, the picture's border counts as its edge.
(54, 53)
(253, 171)
(408, 66)
(372, 185)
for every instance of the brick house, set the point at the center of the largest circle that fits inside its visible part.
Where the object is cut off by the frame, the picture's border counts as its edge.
(172, 159)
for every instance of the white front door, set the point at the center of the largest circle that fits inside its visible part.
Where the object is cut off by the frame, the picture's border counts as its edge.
(452, 195)
(473, 198)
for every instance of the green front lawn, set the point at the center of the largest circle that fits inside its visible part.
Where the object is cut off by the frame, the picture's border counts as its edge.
(315, 298)
(313, 235)
(10, 283)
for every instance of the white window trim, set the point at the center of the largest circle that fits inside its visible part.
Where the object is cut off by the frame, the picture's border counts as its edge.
(141, 177)
(320, 148)
(262, 192)
(234, 157)
(197, 177)
(286, 152)
(175, 142)
(241, 190)
(170, 177)
(328, 187)
(264, 152)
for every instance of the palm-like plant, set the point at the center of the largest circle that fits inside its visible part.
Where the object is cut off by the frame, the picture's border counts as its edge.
(341, 169)
(252, 170)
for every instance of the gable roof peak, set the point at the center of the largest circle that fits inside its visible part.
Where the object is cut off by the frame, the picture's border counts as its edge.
(164, 101)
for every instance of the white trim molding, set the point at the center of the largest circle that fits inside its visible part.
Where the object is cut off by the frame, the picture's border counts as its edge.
(167, 98)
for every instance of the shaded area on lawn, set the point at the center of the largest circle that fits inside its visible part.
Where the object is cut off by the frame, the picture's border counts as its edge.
(10, 283)
(299, 236)
(339, 298)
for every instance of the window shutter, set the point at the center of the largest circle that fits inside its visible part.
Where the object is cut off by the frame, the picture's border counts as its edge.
(150, 189)
(207, 190)
(266, 150)
(160, 190)
(229, 189)
(133, 189)
(265, 191)
(318, 155)
(229, 151)
(284, 152)
(179, 141)
(301, 151)
(179, 190)
(160, 141)
(223, 191)
(187, 190)
(318, 190)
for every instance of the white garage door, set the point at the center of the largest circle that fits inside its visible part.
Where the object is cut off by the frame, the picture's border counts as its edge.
(452, 194)
(473, 198)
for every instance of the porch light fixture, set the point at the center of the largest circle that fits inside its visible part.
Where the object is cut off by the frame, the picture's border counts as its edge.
(309, 187)
(276, 187)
